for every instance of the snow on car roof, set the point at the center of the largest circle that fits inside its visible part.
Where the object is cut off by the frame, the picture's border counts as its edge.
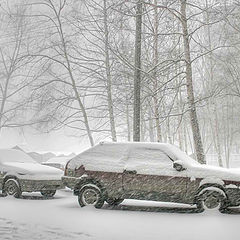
(116, 152)
(13, 155)
(171, 150)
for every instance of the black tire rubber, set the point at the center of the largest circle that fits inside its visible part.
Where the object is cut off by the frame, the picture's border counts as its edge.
(48, 193)
(221, 201)
(3, 194)
(114, 202)
(12, 188)
(100, 199)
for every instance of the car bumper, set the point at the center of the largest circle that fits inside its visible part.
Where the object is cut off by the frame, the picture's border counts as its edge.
(40, 185)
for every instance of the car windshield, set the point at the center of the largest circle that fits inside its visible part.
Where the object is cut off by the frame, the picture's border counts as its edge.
(11, 155)
(180, 155)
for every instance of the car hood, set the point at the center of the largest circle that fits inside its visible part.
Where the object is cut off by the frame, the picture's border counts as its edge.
(204, 171)
(33, 169)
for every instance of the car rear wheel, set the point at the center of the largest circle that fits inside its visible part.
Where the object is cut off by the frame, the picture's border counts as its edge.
(12, 188)
(48, 193)
(212, 200)
(90, 196)
(114, 202)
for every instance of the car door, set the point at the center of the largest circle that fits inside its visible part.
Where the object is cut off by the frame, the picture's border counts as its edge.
(149, 174)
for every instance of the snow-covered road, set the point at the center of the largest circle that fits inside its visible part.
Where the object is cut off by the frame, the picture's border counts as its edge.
(60, 218)
(14, 230)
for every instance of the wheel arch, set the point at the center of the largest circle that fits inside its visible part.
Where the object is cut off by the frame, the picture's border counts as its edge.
(210, 186)
(7, 177)
(91, 182)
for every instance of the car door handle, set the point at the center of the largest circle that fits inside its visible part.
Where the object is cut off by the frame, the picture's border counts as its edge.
(130, 171)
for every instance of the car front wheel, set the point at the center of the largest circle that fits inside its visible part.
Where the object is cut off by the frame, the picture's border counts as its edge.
(48, 193)
(90, 196)
(12, 188)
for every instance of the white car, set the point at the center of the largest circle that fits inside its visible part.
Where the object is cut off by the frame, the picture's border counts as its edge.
(20, 173)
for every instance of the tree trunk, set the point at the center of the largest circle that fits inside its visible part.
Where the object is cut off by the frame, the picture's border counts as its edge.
(155, 62)
(198, 146)
(143, 125)
(128, 121)
(137, 74)
(215, 122)
(108, 74)
(150, 125)
(180, 122)
(4, 98)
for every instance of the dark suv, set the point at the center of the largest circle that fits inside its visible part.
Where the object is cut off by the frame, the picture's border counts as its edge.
(113, 172)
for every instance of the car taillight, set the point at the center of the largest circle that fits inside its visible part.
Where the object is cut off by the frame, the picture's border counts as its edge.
(66, 169)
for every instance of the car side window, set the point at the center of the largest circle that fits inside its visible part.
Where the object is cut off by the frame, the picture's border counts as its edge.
(150, 156)
(106, 152)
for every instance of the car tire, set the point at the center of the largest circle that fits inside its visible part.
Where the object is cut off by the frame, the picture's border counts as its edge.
(114, 202)
(48, 193)
(90, 196)
(12, 188)
(3, 194)
(212, 200)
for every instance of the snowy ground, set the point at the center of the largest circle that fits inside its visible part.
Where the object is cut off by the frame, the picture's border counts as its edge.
(60, 218)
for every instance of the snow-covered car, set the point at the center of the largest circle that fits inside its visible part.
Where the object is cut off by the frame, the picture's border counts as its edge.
(113, 172)
(20, 173)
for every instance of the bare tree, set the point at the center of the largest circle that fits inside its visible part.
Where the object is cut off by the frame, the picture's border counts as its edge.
(55, 16)
(14, 74)
(193, 113)
(108, 72)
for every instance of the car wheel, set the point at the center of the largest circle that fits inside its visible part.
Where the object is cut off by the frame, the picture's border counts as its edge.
(90, 196)
(114, 202)
(48, 193)
(212, 200)
(12, 188)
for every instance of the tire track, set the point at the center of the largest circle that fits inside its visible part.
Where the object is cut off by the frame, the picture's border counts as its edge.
(17, 231)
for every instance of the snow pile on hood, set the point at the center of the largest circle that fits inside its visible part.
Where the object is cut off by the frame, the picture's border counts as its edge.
(214, 173)
(33, 168)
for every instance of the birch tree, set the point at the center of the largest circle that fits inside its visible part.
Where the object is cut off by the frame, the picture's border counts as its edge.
(137, 74)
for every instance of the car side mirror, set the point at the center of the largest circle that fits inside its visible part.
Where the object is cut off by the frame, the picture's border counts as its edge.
(178, 166)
